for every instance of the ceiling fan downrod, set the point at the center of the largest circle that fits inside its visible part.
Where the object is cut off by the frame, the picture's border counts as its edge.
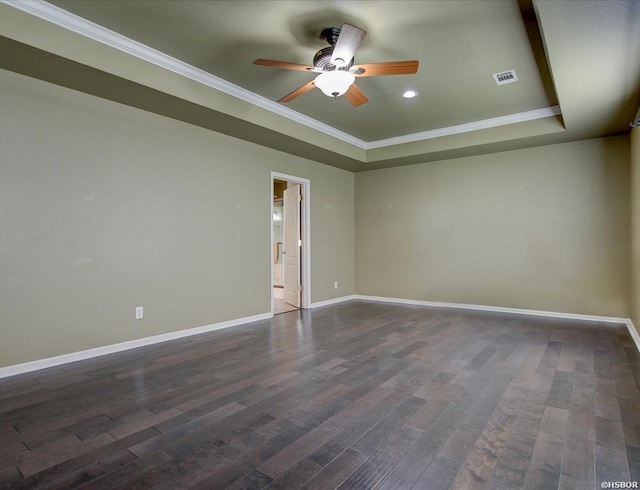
(330, 35)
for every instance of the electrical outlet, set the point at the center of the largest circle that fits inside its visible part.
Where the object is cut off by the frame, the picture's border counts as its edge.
(335, 285)
(139, 312)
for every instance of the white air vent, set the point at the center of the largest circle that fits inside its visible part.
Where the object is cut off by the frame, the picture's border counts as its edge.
(505, 77)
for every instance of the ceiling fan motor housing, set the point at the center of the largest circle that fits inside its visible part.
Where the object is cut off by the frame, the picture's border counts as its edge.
(322, 60)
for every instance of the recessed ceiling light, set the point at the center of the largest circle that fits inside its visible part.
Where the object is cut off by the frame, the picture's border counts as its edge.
(410, 94)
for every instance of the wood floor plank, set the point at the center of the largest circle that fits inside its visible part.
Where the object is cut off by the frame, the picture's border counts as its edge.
(483, 457)
(602, 364)
(337, 471)
(85, 458)
(356, 395)
(550, 358)
(296, 476)
(567, 360)
(606, 399)
(554, 420)
(437, 402)
(527, 370)
(170, 440)
(633, 457)
(545, 465)
(35, 461)
(513, 461)
(239, 467)
(460, 442)
(481, 410)
(611, 466)
(541, 383)
(630, 416)
(439, 474)
(124, 474)
(371, 430)
(579, 451)
(560, 392)
(251, 481)
(182, 471)
(531, 412)
(92, 471)
(372, 439)
(380, 463)
(409, 468)
(321, 434)
(12, 445)
(609, 434)
(10, 478)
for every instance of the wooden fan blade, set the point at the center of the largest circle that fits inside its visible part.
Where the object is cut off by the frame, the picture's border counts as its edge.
(388, 68)
(297, 92)
(347, 44)
(356, 96)
(283, 64)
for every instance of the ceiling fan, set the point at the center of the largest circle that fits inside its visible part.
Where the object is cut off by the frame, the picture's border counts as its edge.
(337, 73)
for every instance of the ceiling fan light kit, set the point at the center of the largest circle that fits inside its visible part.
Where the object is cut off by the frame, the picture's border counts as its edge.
(337, 73)
(334, 83)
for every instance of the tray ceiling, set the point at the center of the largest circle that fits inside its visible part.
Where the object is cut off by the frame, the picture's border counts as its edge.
(578, 59)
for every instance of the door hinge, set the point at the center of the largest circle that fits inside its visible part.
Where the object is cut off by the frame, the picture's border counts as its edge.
(299, 197)
(299, 288)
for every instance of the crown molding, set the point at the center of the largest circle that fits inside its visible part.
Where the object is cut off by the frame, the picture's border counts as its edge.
(95, 32)
(468, 127)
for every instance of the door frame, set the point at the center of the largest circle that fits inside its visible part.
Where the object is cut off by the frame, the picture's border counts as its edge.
(305, 231)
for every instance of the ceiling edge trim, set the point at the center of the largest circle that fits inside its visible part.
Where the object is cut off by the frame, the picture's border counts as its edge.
(91, 30)
(95, 32)
(468, 127)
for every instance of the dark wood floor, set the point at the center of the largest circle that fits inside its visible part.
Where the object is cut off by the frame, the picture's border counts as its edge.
(359, 395)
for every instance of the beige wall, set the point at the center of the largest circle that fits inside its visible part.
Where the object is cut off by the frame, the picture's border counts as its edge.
(635, 227)
(542, 228)
(104, 208)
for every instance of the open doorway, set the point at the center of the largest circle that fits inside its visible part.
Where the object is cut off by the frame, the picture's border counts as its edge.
(289, 243)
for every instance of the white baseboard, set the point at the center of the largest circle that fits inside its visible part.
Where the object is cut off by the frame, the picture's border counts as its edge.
(496, 309)
(131, 344)
(634, 333)
(333, 301)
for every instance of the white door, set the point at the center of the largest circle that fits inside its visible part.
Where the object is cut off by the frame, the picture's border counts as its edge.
(291, 252)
